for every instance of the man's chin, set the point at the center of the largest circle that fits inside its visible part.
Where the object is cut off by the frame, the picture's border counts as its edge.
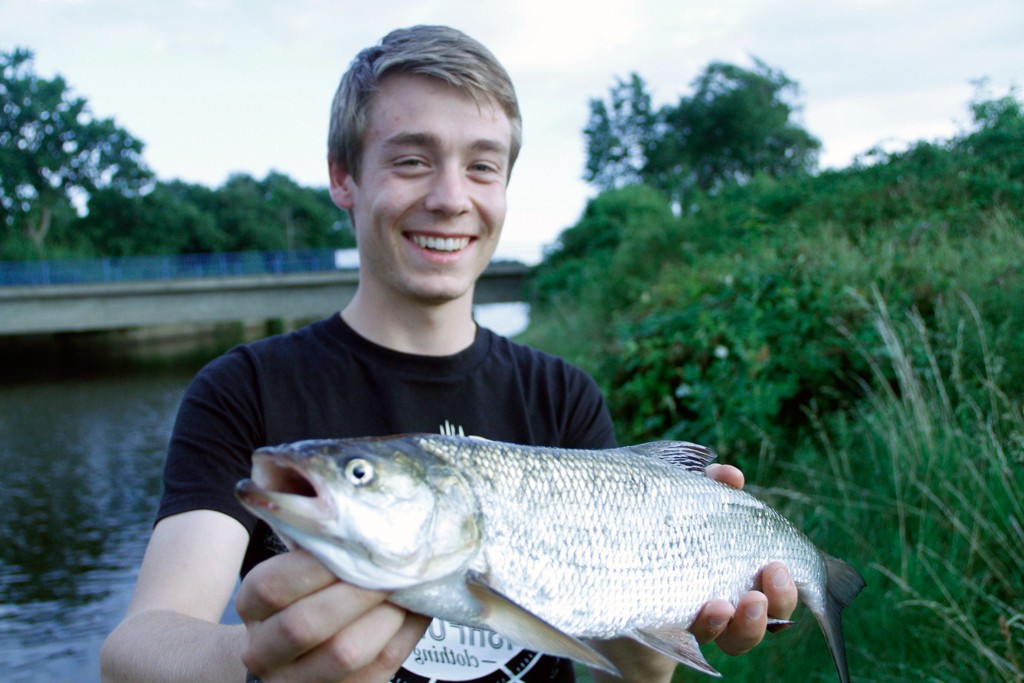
(437, 288)
(439, 299)
(438, 294)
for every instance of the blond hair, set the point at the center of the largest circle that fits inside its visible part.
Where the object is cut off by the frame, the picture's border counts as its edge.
(436, 51)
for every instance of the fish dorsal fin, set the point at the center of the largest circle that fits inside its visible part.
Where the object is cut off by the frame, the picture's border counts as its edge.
(504, 616)
(678, 643)
(690, 456)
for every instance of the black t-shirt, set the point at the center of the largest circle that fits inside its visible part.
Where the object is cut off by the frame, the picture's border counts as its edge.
(326, 381)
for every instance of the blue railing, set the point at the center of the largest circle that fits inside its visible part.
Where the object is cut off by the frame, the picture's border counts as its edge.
(172, 267)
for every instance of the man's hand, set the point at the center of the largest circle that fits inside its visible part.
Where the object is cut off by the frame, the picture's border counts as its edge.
(304, 624)
(737, 630)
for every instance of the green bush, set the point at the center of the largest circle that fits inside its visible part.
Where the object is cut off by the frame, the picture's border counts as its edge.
(730, 322)
(854, 338)
(921, 488)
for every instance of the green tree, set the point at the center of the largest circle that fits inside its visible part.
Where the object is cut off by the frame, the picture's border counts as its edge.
(52, 150)
(164, 221)
(244, 214)
(277, 213)
(600, 266)
(619, 135)
(197, 203)
(307, 216)
(737, 124)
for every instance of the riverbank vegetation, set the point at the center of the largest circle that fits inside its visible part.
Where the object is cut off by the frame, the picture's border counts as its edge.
(852, 339)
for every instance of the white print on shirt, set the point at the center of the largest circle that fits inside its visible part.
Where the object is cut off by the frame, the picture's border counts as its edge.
(453, 652)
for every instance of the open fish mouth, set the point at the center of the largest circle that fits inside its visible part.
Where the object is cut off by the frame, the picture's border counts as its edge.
(285, 492)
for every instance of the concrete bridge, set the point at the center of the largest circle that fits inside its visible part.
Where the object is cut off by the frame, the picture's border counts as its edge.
(26, 310)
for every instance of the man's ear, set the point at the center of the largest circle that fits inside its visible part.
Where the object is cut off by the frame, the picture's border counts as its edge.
(342, 185)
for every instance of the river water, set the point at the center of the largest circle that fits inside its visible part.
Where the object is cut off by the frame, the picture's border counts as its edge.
(80, 465)
(80, 459)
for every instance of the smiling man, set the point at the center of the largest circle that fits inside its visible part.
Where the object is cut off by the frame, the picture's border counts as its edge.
(425, 130)
(427, 201)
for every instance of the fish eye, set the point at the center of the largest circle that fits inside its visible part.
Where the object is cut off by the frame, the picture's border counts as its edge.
(359, 471)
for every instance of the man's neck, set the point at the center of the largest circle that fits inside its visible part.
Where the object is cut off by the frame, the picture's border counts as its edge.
(412, 327)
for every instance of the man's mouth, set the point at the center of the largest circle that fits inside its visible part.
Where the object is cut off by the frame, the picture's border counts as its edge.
(445, 245)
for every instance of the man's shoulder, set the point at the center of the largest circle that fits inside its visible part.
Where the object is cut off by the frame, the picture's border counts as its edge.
(303, 342)
(316, 333)
(524, 353)
(280, 352)
(541, 368)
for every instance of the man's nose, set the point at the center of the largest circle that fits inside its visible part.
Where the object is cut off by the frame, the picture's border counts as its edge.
(449, 192)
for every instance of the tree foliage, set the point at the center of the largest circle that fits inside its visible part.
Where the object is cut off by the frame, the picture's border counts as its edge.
(620, 134)
(58, 161)
(736, 321)
(53, 149)
(168, 220)
(738, 123)
(243, 214)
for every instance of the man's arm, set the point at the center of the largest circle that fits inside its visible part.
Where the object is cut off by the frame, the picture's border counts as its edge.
(299, 619)
(735, 630)
(172, 631)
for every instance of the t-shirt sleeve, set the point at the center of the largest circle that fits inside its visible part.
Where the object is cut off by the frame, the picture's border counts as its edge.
(218, 426)
(588, 421)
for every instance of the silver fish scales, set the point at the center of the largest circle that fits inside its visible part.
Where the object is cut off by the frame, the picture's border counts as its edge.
(549, 547)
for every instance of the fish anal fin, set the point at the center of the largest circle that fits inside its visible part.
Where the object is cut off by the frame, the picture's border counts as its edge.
(518, 624)
(678, 643)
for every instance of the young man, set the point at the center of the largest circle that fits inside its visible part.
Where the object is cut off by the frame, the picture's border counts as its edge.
(425, 129)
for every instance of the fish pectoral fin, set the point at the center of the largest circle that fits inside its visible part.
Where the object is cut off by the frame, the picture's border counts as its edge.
(678, 643)
(518, 624)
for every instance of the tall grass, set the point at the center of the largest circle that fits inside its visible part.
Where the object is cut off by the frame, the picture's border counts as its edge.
(950, 562)
(922, 488)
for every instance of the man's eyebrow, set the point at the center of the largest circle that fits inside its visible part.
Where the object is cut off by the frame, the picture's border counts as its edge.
(431, 141)
(413, 140)
(488, 145)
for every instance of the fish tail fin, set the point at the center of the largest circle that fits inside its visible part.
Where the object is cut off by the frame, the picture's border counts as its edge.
(842, 584)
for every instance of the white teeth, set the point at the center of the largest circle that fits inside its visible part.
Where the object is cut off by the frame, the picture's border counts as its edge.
(441, 243)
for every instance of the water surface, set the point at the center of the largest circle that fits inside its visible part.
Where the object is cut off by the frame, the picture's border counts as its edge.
(80, 465)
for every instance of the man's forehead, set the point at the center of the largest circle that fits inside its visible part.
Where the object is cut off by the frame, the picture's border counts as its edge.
(412, 109)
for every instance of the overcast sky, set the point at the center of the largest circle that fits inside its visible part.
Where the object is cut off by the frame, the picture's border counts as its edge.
(214, 87)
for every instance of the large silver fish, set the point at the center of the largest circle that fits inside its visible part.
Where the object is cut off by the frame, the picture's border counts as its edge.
(548, 547)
